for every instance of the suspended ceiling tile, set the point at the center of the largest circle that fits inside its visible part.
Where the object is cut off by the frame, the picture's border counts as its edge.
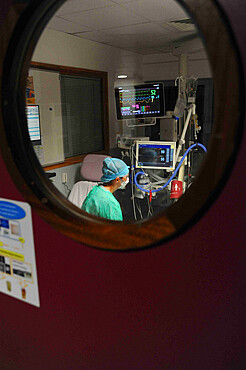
(108, 17)
(74, 6)
(97, 36)
(157, 10)
(137, 41)
(148, 40)
(125, 44)
(62, 25)
(138, 29)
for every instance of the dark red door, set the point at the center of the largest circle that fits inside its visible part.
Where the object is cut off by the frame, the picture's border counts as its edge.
(177, 306)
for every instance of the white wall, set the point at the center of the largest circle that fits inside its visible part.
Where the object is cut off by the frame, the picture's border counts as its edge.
(73, 176)
(67, 50)
(48, 97)
(166, 66)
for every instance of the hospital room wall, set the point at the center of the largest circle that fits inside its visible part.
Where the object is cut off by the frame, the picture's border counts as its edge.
(167, 67)
(73, 175)
(62, 49)
(65, 50)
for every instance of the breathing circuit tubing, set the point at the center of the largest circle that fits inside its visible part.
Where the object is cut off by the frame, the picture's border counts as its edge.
(173, 175)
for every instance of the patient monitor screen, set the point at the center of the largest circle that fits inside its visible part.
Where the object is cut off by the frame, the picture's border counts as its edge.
(156, 155)
(140, 101)
(33, 123)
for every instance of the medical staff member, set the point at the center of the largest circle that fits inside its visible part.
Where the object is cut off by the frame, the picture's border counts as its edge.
(101, 201)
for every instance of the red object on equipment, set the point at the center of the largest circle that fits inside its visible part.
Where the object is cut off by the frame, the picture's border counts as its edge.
(176, 189)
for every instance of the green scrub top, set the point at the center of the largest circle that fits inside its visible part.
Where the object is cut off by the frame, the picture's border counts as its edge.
(101, 202)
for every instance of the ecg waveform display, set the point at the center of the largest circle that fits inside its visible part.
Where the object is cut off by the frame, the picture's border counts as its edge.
(140, 101)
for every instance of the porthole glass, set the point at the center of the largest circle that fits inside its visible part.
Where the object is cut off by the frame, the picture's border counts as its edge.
(106, 79)
(159, 96)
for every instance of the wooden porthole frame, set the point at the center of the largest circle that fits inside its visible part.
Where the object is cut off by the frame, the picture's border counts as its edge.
(20, 34)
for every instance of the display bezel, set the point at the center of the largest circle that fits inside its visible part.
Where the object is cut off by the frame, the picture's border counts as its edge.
(138, 87)
(155, 143)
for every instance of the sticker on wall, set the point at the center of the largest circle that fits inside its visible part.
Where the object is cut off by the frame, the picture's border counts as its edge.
(30, 94)
(18, 275)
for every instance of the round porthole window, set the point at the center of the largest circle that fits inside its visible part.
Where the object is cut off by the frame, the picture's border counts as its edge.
(145, 100)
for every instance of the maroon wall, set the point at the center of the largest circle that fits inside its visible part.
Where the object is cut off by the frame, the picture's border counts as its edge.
(177, 306)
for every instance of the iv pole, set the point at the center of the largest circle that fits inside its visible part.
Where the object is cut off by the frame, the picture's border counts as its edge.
(192, 110)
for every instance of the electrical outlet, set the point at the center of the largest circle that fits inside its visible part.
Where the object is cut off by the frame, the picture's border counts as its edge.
(64, 177)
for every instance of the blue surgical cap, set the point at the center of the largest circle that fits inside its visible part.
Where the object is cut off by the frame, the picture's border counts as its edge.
(112, 168)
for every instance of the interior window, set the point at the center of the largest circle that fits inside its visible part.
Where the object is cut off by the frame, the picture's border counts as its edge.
(81, 115)
(71, 113)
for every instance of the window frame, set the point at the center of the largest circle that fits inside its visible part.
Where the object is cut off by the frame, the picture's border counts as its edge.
(81, 72)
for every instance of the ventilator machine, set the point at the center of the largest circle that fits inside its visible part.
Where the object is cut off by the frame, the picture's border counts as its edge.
(164, 167)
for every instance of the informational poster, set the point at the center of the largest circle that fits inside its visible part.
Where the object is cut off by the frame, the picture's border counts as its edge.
(18, 274)
(30, 95)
